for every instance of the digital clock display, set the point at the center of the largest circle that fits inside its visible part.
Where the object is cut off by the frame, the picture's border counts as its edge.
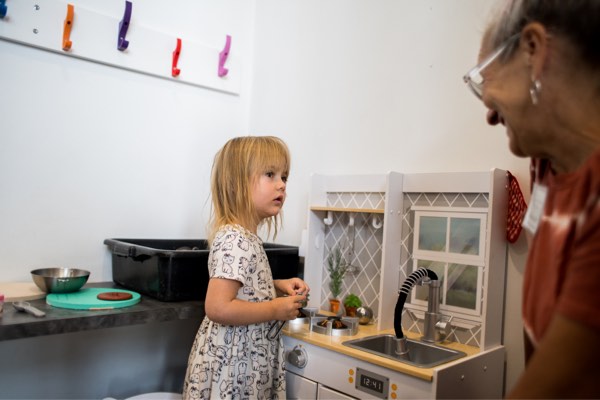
(372, 383)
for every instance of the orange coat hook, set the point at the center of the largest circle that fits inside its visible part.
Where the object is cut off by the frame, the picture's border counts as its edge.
(66, 41)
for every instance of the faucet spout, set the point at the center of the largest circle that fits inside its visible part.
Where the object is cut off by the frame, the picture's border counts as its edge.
(432, 316)
(414, 278)
(436, 326)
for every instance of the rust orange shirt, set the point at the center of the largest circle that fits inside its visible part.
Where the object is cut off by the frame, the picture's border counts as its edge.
(563, 267)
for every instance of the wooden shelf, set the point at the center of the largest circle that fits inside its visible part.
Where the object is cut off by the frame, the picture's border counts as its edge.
(355, 210)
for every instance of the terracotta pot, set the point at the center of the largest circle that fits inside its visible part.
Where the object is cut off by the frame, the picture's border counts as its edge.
(334, 305)
(350, 311)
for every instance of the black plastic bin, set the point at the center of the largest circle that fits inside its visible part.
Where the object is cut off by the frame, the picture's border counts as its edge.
(177, 270)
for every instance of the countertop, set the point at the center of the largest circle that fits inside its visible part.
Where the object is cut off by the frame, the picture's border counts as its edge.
(335, 343)
(19, 325)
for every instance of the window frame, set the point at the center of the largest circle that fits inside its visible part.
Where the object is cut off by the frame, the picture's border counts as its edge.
(447, 257)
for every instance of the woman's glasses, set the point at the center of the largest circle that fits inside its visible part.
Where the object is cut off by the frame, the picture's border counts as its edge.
(474, 79)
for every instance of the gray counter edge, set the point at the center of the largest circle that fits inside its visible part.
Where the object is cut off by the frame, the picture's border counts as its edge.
(19, 325)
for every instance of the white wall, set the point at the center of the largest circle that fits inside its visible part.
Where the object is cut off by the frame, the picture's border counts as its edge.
(369, 87)
(89, 151)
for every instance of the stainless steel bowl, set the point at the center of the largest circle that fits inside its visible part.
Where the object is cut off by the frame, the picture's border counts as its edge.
(60, 280)
(365, 315)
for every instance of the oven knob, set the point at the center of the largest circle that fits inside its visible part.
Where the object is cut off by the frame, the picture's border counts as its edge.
(297, 357)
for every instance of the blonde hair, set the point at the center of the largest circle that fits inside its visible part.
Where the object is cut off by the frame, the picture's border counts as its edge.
(235, 169)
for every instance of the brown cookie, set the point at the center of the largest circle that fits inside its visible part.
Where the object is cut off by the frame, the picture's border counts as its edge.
(115, 296)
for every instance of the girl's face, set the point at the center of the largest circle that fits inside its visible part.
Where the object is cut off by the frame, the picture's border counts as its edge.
(268, 192)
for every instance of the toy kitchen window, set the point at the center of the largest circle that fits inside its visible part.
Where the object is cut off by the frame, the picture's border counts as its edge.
(451, 242)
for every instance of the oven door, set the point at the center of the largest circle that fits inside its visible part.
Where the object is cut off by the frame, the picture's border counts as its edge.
(326, 393)
(298, 387)
(301, 388)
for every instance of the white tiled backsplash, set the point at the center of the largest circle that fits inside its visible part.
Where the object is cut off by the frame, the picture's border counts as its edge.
(366, 242)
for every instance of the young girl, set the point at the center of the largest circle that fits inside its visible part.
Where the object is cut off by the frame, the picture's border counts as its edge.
(233, 356)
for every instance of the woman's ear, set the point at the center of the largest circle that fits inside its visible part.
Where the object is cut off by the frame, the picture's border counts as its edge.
(534, 42)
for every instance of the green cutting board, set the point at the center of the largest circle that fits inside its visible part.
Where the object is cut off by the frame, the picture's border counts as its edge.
(86, 299)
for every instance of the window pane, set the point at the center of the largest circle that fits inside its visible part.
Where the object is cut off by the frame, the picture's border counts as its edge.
(432, 233)
(422, 292)
(462, 286)
(464, 235)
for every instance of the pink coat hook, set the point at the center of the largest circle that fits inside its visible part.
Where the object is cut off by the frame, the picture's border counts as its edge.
(174, 70)
(223, 57)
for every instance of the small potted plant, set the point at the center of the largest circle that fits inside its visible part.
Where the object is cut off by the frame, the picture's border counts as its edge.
(351, 303)
(337, 267)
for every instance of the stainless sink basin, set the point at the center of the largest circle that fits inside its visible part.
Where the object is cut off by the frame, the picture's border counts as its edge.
(419, 354)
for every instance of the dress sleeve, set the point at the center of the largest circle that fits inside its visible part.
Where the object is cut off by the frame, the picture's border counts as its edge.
(230, 256)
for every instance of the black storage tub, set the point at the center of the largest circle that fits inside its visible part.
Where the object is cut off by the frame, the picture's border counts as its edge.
(177, 270)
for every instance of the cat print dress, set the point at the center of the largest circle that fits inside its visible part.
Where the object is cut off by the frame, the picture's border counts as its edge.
(237, 362)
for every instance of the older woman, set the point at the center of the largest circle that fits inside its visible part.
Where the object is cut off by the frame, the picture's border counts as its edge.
(539, 76)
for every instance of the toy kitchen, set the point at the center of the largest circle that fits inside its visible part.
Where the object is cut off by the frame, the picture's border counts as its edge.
(426, 253)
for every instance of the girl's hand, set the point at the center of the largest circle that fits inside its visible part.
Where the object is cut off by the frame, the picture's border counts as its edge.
(286, 307)
(223, 306)
(291, 286)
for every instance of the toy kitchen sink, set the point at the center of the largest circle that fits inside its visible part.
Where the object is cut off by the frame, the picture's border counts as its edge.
(326, 367)
(419, 354)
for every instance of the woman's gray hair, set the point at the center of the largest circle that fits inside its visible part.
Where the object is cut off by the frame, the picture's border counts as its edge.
(576, 20)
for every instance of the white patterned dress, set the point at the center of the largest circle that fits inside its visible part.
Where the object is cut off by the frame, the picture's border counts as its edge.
(237, 362)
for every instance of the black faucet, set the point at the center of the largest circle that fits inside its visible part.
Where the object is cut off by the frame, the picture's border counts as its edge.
(433, 323)
(408, 284)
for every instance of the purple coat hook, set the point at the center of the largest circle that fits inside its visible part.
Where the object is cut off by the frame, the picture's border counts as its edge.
(123, 26)
(223, 57)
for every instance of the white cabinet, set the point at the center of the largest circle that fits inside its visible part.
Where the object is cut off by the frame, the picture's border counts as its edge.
(326, 393)
(298, 387)
(333, 374)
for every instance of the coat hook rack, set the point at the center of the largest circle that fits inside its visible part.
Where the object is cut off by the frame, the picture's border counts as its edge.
(123, 43)
(376, 222)
(66, 40)
(174, 70)
(329, 219)
(223, 55)
(3, 8)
